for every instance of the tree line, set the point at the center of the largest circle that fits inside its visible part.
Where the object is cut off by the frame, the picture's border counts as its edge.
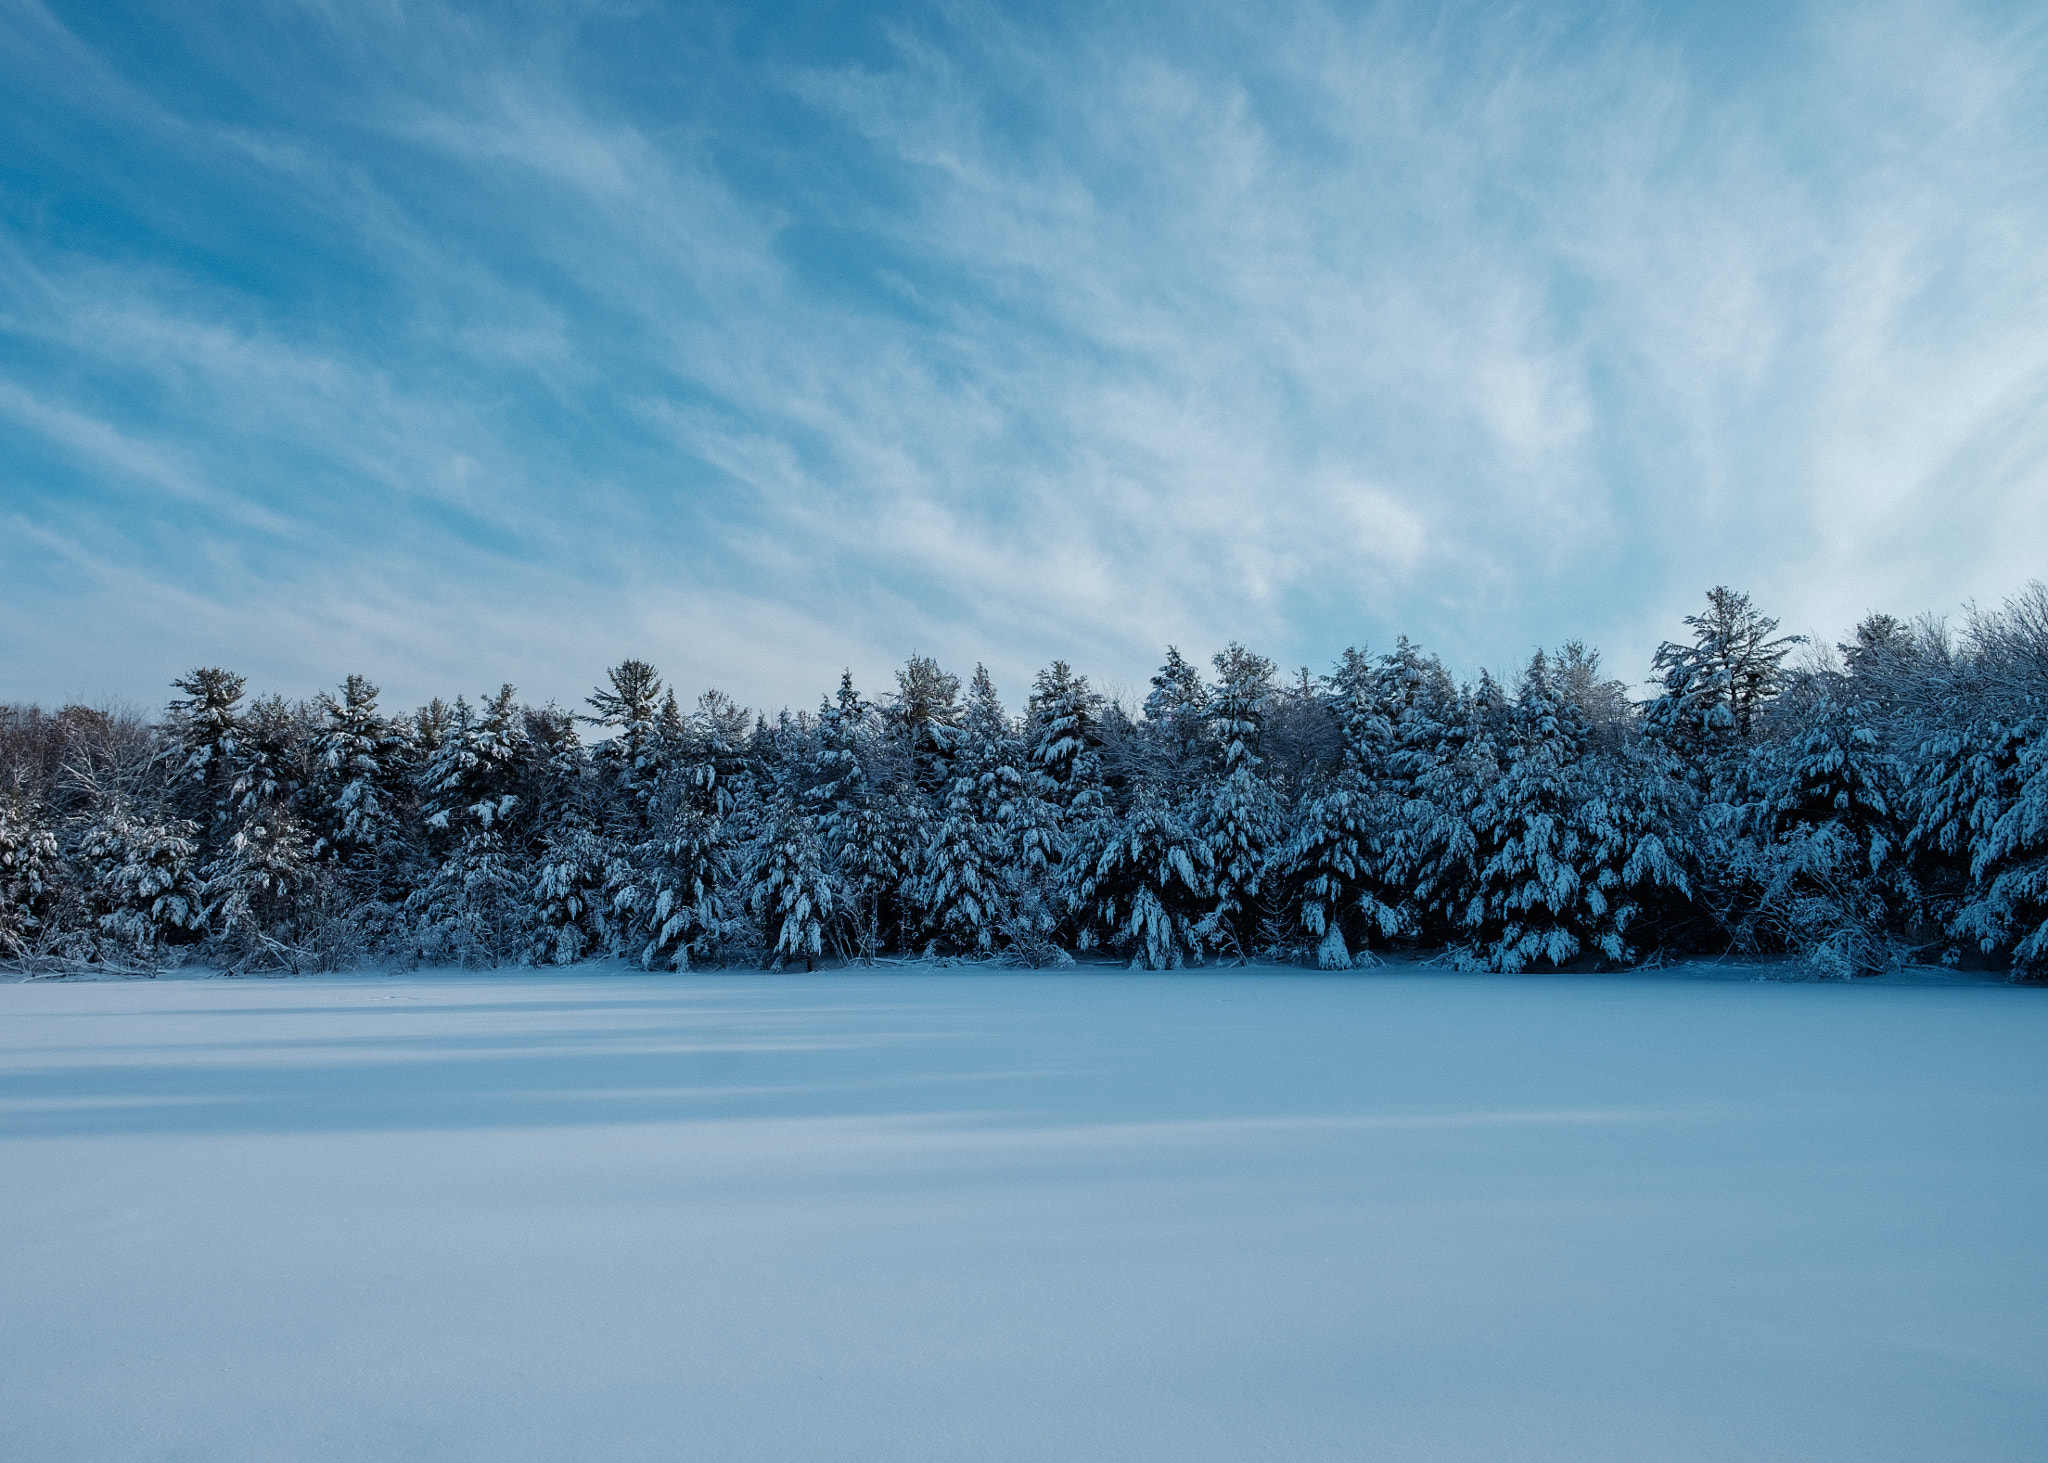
(1877, 804)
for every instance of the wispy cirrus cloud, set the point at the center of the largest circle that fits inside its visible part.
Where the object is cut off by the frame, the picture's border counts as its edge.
(460, 347)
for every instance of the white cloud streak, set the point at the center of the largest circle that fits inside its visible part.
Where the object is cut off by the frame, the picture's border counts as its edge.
(1300, 330)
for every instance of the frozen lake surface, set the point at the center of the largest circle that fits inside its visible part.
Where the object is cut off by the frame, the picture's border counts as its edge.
(1074, 1216)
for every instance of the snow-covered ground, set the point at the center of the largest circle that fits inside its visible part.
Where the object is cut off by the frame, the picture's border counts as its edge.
(979, 1216)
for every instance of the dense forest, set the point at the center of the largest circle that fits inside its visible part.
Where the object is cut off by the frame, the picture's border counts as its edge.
(1866, 806)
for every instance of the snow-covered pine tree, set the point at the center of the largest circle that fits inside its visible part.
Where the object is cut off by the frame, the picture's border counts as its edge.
(1567, 845)
(1529, 901)
(1146, 889)
(925, 714)
(274, 764)
(990, 754)
(1636, 816)
(1429, 719)
(790, 889)
(961, 884)
(474, 909)
(2009, 866)
(1386, 850)
(1818, 838)
(1984, 800)
(715, 759)
(1176, 724)
(1238, 704)
(1039, 868)
(630, 761)
(256, 888)
(203, 748)
(1833, 773)
(596, 813)
(1364, 724)
(1062, 737)
(838, 781)
(1602, 703)
(1447, 757)
(1330, 868)
(687, 879)
(142, 884)
(1239, 823)
(581, 872)
(430, 726)
(30, 874)
(359, 760)
(581, 877)
(466, 783)
(877, 849)
(1712, 691)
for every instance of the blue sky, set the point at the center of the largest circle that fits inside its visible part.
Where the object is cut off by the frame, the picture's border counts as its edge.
(457, 345)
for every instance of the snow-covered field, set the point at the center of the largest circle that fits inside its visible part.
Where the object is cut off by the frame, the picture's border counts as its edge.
(963, 1215)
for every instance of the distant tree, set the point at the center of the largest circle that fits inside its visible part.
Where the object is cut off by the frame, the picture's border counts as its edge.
(359, 762)
(645, 729)
(1715, 687)
(791, 891)
(1063, 731)
(1176, 720)
(925, 712)
(142, 883)
(1146, 889)
(30, 878)
(205, 747)
(1238, 705)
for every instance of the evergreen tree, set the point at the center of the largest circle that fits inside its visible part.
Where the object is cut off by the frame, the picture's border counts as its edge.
(1146, 889)
(1416, 698)
(1635, 817)
(715, 755)
(879, 843)
(1331, 865)
(204, 747)
(475, 908)
(990, 754)
(30, 874)
(1063, 735)
(925, 713)
(791, 891)
(685, 920)
(645, 729)
(838, 784)
(142, 883)
(959, 882)
(272, 768)
(466, 783)
(1364, 724)
(1177, 721)
(257, 889)
(1714, 689)
(579, 881)
(1442, 772)
(1239, 826)
(358, 762)
(1529, 899)
(1238, 705)
(2009, 868)
(1834, 775)
(1985, 800)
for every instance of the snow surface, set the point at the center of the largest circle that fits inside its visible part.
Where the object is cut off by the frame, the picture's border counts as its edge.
(1081, 1215)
